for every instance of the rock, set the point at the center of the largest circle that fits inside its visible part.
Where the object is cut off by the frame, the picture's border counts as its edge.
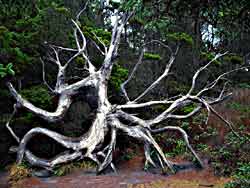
(42, 173)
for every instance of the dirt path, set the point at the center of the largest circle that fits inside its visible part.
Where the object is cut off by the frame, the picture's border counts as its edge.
(130, 175)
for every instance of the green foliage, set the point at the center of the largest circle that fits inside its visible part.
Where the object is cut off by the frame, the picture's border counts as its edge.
(14, 43)
(234, 59)
(115, 4)
(225, 159)
(118, 76)
(80, 60)
(202, 147)
(92, 32)
(137, 20)
(152, 56)
(128, 156)
(241, 177)
(10, 41)
(189, 108)
(200, 118)
(239, 107)
(63, 10)
(180, 37)
(244, 170)
(34, 23)
(179, 149)
(64, 170)
(238, 142)
(5, 37)
(225, 154)
(68, 168)
(210, 132)
(7, 70)
(38, 95)
(157, 25)
(21, 57)
(4, 93)
(28, 119)
(131, 5)
(175, 87)
(159, 108)
(209, 56)
(244, 85)
(24, 25)
(3, 30)
(185, 125)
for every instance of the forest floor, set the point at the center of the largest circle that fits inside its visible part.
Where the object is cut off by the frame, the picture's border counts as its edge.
(130, 175)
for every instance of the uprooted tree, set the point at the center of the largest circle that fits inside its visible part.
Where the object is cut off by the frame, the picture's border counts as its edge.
(111, 118)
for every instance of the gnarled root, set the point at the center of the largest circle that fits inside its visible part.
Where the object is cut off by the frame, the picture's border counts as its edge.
(76, 147)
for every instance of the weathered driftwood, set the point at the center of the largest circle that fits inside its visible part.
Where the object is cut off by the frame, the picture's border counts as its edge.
(108, 116)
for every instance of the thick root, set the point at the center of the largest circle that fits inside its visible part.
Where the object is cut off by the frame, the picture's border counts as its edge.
(64, 157)
(185, 137)
(70, 143)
